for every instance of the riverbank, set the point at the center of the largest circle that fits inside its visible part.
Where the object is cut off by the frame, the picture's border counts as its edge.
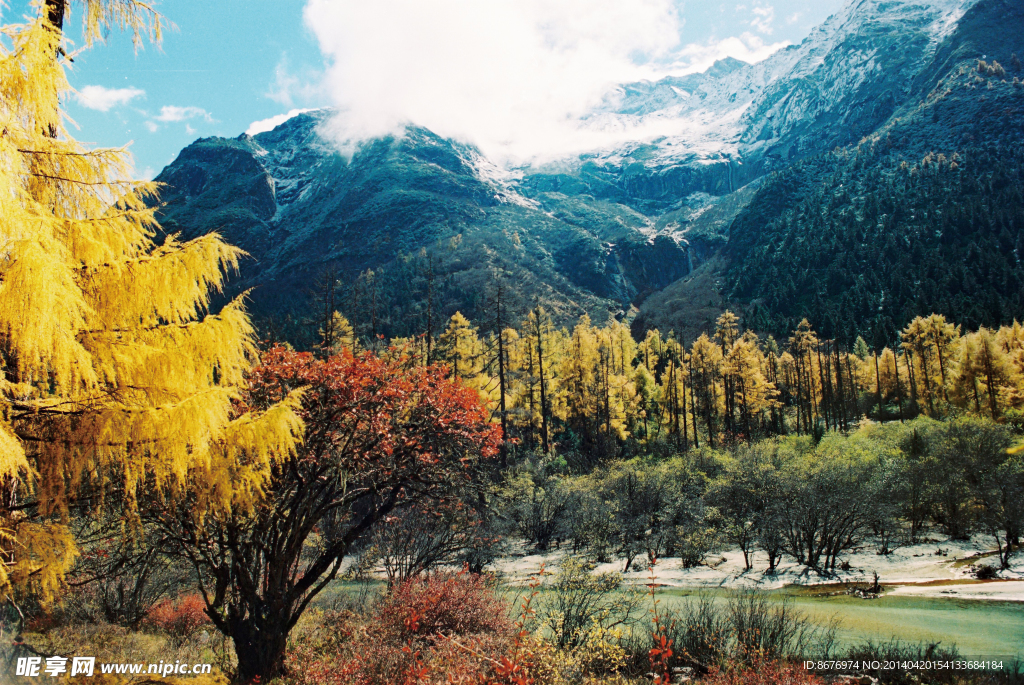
(936, 567)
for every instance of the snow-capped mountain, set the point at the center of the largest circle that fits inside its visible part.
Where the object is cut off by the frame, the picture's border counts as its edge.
(845, 78)
(736, 121)
(613, 228)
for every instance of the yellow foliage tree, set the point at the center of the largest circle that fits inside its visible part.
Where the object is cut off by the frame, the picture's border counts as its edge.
(706, 365)
(617, 394)
(673, 393)
(1011, 340)
(984, 372)
(751, 391)
(579, 397)
(650, 350)
(459, 347)
(337, 334)
(115, 371)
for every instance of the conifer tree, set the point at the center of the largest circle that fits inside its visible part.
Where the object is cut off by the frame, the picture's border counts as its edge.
(524, 401)
(459, 347)
(646, 400)
(752, 392)
(802, 344)
(674, 383)
(501, 348)
(943, 338)
(1010, 340)
(707, 365)
(984, 368)
(860, 348)
(116, 372)
(338, 334)
(726, 333)
(649, 351)
(582, 386)
(916, 338)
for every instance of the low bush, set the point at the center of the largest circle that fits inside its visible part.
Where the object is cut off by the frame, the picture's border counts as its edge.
(438, 628)
(579, 602)
(763, 672)
(750, 629)
(443, 604)
(986, 572)
(180, 619)
(117, 644)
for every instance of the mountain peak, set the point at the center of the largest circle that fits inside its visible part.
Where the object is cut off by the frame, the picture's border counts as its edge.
(725, 66)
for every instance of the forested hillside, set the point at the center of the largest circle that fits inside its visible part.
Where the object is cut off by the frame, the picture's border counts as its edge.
(863, 242)
(920, 211)
(415, 226)
(925, 214)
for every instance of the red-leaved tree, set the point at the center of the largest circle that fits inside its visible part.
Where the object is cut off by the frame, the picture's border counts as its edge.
(380, 435)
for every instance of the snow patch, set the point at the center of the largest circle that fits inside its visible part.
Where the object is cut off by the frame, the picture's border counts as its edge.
(270, 123)
(906, 567)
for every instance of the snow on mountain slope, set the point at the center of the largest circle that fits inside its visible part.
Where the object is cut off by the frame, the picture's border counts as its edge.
(850, 75)
(713, 132)
(838, 84)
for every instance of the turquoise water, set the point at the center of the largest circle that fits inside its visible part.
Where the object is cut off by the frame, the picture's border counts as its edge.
(976, 628)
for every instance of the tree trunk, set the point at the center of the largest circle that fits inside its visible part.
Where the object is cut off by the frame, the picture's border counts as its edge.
(799, 397)
(899, 392)
(501, 370)
(826, 391)
(815, 404)
(712, 398)
(55, 13)
(607, 398)
(674, 403)
(942, 370)
(693, 406)
(927, 380)
(989, 383)
(853, 388)
(878, 388)
(260, 652)
(543, 393)
(686, 437)
(841, 403)
(773, 560)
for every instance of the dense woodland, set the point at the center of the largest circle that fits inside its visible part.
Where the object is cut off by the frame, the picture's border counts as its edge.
(594, 389)
(860, 241)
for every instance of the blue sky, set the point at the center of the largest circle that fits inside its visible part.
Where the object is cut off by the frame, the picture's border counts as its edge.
(461, 66)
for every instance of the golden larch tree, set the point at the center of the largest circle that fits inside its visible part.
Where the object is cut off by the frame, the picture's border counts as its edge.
(116, 373)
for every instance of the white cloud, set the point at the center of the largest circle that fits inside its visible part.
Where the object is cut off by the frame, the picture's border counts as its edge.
(103, 99)
(517, 78)
(172, 113)
(152, 126)
(284, 84)
(764, 17)
(794, 18)
(512, 76)
(746, 47)
(271, 123)
(289, 88)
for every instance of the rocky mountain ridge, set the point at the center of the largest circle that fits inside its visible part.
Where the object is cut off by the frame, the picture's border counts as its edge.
(434, 225)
